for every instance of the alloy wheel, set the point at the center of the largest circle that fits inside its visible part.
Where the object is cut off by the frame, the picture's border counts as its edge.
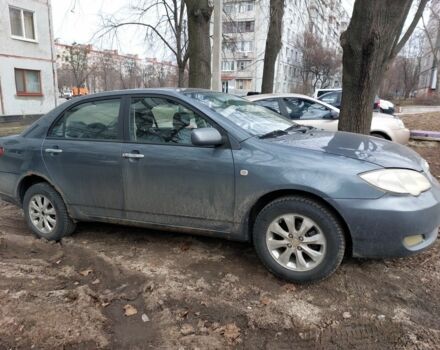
(42, 214)
(296, 242)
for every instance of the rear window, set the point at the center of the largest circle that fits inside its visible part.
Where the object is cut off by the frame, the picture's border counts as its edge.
(322, 92)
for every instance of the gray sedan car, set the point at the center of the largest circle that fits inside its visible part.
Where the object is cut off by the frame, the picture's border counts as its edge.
(208, 163)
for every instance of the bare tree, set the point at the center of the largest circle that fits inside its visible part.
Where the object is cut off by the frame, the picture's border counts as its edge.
(129, 73)
(64, 77)
(273, 44)
(318, 64)
(432, 34)
(77, 56)
(169, 28)
(108, 71)
(199, 49)
(370, 43)
(403, 76)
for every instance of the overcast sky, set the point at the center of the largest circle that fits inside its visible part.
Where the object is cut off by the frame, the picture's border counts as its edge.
(80, 20)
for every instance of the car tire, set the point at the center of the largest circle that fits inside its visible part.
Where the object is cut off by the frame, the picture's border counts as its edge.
(317, 244)
(46, 214)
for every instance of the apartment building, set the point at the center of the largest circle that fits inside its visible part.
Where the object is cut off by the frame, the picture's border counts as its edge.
(105, 70)
(27, 65)
(245, 26)
(429, 76)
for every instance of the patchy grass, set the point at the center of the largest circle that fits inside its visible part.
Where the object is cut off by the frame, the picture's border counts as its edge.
(425, 121)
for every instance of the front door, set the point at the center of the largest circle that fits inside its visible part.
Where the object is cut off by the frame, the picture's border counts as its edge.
(82, 154)
(169, 181)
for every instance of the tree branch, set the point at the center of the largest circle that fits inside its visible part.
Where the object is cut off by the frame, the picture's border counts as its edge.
(410, 29)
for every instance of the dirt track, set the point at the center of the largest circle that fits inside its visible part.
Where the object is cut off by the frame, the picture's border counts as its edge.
(201, 293)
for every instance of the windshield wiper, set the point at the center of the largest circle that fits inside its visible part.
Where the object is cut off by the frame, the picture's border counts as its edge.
(299, 128)
(273, 133)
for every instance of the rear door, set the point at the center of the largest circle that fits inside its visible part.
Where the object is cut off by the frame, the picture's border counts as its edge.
(167, 179)
(82, 154)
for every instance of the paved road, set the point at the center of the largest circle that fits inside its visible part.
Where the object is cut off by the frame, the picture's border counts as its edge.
(418, 109)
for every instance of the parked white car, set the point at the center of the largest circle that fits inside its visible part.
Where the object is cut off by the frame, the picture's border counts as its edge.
(319, 92)
(334, 97)
(306, 110)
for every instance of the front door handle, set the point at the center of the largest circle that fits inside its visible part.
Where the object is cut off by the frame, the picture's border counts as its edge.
(132, 155)
(53, 150)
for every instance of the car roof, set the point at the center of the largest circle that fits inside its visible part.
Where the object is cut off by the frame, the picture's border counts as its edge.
(329, 89)
(254, 98)
(274, 95)
(330, 92)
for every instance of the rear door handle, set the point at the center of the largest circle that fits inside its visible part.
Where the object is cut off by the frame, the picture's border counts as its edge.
(132, 155)
(53, 150)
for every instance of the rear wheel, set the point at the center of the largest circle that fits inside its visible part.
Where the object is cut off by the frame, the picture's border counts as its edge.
(45, 212)
(298, 239)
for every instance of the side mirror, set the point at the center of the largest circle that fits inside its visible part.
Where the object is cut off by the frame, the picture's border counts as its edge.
(206, 137)
(331, 115)
(334, 115)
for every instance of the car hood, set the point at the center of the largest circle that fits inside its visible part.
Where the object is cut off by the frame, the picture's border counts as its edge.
(366, 148)
(386, 104)
(384, 115)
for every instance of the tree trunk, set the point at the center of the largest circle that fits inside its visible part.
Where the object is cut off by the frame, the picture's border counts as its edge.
(181, 75)
(369, 44)
(273, 44)
(199, 44)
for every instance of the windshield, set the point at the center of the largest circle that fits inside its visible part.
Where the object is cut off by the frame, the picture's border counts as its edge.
(256, 120)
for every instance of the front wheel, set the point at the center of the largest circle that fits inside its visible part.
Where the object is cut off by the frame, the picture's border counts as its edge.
(45, 212)
(298, 239)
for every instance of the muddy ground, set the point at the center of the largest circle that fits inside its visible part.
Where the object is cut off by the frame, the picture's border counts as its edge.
(186, 292)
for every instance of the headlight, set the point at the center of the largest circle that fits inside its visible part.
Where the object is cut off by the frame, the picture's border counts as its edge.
(425, 166)
(402, 181)
(399, 123)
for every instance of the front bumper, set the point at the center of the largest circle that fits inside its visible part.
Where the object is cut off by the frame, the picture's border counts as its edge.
(378, 227)
(400, 136)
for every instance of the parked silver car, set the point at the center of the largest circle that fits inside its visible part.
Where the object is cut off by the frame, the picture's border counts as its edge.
(306, 110)
(208, 163)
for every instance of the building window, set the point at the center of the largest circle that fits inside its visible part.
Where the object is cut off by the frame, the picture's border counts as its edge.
(238, 27)
(246, 6)
(228, 66)
(28, 82)
(22, 23)
(242, 65)
(245, 46)
(240, 46)
(229, 8)
(243, 84)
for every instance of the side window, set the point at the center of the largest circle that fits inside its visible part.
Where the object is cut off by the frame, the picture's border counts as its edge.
(97, 120)
(161, 120)
(298, 108)
(331, 98)
(272, 104)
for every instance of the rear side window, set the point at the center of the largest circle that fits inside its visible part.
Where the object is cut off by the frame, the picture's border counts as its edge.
(97, 120)
(330, 98)
(271, 104)
(298, 108)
